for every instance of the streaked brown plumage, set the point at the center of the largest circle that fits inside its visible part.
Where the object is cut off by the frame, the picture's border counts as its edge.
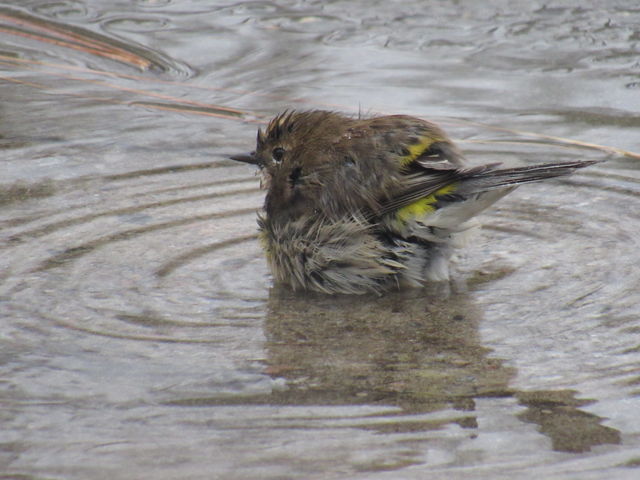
(358, 205)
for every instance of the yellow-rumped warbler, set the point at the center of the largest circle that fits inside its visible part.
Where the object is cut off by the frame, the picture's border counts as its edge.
(359, 205)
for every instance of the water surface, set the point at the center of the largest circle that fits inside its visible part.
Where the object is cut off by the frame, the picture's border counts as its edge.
(141, 333)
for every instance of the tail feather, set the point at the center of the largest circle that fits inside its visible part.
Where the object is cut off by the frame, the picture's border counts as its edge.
(459, 184)
(482, 188)
(492, 178)
(450, 211)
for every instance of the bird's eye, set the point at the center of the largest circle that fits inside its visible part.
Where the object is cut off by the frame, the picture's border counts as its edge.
(277, 154)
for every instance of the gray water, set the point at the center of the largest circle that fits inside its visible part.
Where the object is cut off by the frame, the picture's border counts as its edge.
(141, 335)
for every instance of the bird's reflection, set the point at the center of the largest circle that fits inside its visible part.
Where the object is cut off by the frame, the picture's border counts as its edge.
(558, 417)
(418, 350)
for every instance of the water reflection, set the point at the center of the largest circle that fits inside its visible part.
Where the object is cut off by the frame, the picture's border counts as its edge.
(559, 417)
(21, 191)
(419, 352)
(42, 31)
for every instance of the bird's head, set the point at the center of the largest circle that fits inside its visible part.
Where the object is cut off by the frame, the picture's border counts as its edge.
(292, 153)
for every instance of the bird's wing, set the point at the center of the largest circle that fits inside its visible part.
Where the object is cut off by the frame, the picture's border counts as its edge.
(429, 187)
(424, 190)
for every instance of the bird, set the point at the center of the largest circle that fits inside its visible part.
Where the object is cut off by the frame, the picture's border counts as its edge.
(358, 205)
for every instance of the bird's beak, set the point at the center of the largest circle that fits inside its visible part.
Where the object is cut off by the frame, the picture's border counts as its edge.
(246, 158)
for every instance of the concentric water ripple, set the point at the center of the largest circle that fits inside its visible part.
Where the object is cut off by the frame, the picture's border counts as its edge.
(169, 256)
(139, 230)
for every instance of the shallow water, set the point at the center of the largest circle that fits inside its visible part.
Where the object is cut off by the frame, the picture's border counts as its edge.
(141, 333)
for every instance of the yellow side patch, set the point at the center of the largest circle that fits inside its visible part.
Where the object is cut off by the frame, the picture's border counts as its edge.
(423, 206)
(418, 149)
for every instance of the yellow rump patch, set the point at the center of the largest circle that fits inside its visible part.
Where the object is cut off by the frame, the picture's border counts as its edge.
(423, 206)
